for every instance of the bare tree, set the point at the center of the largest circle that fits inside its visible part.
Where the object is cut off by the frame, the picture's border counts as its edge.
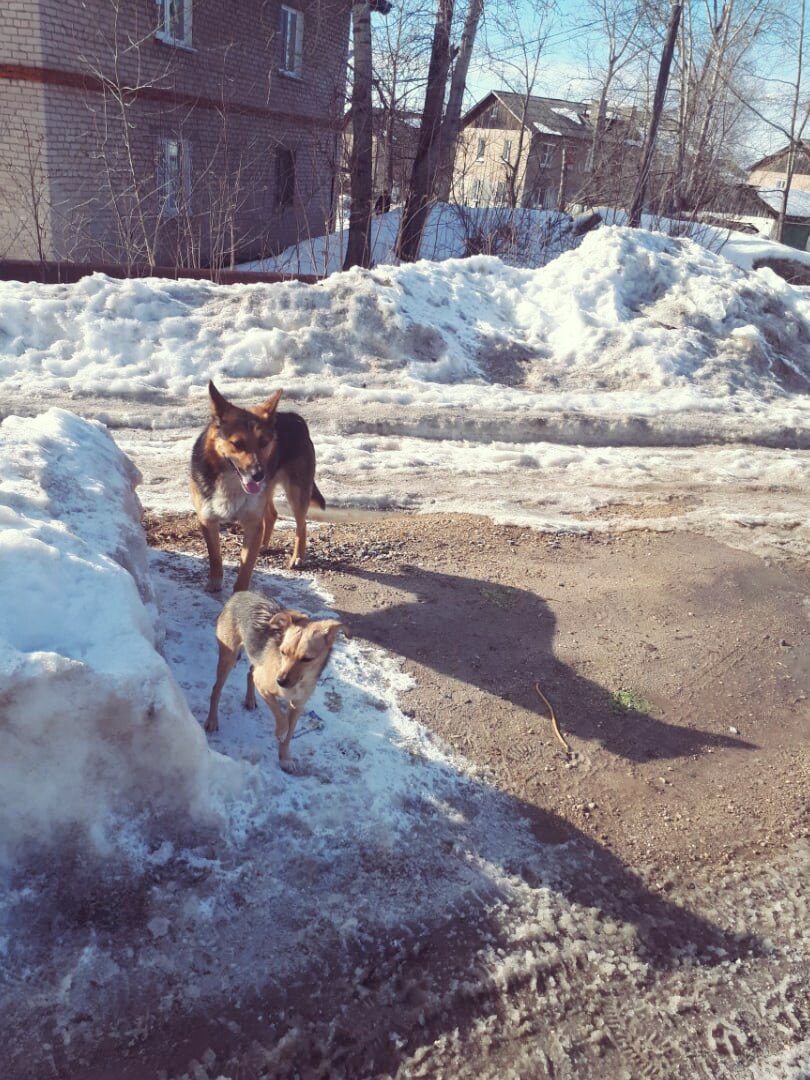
(358, 247)
(620, 26)
(448, 138)
(799, 117)
(24, 189)
(423, 176)
(401, 44)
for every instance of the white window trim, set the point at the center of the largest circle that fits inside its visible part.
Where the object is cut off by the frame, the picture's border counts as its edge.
(506, 153)
(547, 155)
(297, 71)
(170, 203)
(163, 35)
(482, 150)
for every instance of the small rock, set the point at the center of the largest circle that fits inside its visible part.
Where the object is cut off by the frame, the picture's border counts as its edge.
(159, 926)
(733, 731)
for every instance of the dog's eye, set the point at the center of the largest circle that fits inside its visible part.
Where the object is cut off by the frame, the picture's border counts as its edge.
(238, 445)
(306, 659)
(264, 442)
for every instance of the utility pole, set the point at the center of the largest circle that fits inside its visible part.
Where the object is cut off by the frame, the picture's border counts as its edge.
(637, 204)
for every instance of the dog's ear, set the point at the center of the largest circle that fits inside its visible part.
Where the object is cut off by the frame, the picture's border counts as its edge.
(283, 620)
(219, 405)
(267, 408)
(280, 624)
(333, 627)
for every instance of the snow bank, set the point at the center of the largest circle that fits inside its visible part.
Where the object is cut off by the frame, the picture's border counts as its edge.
(94, 725)
(520, 237)
(665, 324)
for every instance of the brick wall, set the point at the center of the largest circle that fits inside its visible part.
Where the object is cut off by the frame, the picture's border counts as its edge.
(224, 96)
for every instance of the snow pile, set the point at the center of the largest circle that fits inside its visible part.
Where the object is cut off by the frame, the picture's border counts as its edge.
(630, 322)
(521, 237)
(94, 725)
(629, 368)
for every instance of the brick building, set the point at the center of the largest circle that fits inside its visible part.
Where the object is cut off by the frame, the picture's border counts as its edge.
(168, 132)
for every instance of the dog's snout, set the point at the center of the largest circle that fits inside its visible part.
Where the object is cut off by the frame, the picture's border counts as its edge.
(257, 473)
(283, 680)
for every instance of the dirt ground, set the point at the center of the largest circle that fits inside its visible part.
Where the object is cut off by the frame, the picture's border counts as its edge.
(678, 668)
(679, 671)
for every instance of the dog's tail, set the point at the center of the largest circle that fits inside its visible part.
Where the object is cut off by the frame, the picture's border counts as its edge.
(316, 497)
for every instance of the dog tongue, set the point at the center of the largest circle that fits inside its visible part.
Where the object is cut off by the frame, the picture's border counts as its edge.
(252, 487)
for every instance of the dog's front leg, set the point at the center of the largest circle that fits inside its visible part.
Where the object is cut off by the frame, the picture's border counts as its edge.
(250, 692)
(293, 713)
(250, 550)
(210, 531)
(279, 715)
(225, 663)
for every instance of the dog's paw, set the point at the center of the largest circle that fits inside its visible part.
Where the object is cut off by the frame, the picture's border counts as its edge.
(211, 726)
(214, 585)
(296, 564)
(250, 704)
(290, 765)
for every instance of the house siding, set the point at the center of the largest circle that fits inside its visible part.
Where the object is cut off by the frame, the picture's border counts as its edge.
(485, 179)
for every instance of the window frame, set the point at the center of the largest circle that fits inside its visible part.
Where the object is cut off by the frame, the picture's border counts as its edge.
(297, 71)
(165, 35)
(547, 155)
(482, 149)
(285, 192)
(174, 184)
(506, 152)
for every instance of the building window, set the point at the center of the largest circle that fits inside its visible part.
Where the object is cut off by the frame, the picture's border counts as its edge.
(546, 154)
(174, 176)
(780, 185)
(506, 153)
(174, 22)
(285, 176)
(292, 41)
(482, 146)
(500, 193)
(477, 192)
(540, 198)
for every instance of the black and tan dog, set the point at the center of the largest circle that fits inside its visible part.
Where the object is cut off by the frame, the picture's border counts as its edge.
(236, 464)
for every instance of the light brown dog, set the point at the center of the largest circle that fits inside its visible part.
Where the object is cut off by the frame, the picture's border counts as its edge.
(287, 653)
(236, 464)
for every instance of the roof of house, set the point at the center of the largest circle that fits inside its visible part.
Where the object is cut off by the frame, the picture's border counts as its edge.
(743, 200)
(802, 157)
(542, 115)
(798, 204)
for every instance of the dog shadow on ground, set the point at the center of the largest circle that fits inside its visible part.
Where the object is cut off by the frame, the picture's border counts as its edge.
(384, 982)
(500, 640)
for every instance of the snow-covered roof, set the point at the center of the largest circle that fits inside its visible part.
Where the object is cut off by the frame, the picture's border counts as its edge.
(542, 115)
(798, 205)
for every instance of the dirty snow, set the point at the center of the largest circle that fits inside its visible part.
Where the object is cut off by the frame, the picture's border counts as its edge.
(629, 369)
(636, 370)
(95, 727)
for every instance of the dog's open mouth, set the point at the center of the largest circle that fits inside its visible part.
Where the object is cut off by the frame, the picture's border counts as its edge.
(249, 486)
